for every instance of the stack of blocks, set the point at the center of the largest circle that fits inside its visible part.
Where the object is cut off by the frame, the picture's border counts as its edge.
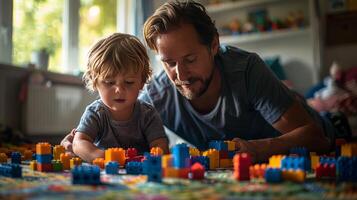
(293, 168)
(177, 165)
(152, 168)
(43, 157)
(115, 155)
(65, 160)
(242, 162)
(86, 174)
(226, 150)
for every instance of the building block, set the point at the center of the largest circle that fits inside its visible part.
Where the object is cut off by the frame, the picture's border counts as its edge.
(33, 165)
(115, 154)
(225, 163)
(219, 145)
(325, 171)
(57, 166)
(131, 153)
(134, 159)
(65, 160)
(300, 151)
(275, 161)
(213, 156)
(27, 154)
(75, 162)
(3, 158)
(86, 174)
(57, 150)
(194, 151)
(156, 151)
(223, 154)
(349, 149)
(112, 167)
(181, 156)
(197, 171)
(327, 160)
(99, 162)
(257, 171)
(15, 158)
(43, 158)
(290, 162)
(346, 169)
(166, 161)
(273, 175)
(241, 162)
(152, 168)
(44, 167)
(203, 160)
(293, 175)
(231, 145)
(134, 168)
(43, 148)
(11, 170)
(170, 172)
(315, 160)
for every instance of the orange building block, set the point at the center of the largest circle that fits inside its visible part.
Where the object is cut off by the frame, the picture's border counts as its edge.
(57, 150)
(99, 162)
(156, 151)
(43, 148)
(75, 162)
(213, 156)
(231, 145)
(115, 154)
(315, 160)
(225, 163)
(65, 160)
(293, 175)
(33, 165)
(27, 155)
(170, 172)
(257, 171)
(3, 158)
(275, 161)
(194, 151)
(349, 149)
(166, 161)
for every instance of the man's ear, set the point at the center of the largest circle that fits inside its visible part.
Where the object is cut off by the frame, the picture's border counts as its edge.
(215, 45)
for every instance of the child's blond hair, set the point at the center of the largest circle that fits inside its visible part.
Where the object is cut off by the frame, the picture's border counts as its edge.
(117, 53)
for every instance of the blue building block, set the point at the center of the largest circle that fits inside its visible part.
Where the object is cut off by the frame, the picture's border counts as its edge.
(346, 169)
(300, 151)
(11, 170)
(273, 175)
(231, 154)
(86, 174)
(327, 160)
(15, 157)
(296, 163)
(112, 168)
(219, 145)
(203, 160)
(181, 156)
(152, 168)
(44, 158)
(134, 168)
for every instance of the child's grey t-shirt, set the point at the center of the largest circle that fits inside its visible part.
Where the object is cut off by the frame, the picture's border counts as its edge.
(144, 127)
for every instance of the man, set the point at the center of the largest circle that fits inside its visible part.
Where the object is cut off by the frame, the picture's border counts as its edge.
(210, 92)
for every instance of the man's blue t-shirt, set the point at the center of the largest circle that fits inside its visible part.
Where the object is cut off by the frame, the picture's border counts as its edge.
(251, 100)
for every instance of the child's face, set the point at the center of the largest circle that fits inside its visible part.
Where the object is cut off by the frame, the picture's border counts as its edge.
(119, 93)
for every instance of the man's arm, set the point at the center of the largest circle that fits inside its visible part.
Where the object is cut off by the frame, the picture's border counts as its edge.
(83, 147)
(163, 143)
(298, 130)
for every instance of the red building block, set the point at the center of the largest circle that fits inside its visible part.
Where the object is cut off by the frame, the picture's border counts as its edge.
(44, 167)
(325, 171)
(241, 162)
(197, 171)
(131, 153)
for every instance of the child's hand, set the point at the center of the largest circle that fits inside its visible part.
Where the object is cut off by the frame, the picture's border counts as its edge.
(246, 147)
(68, 140)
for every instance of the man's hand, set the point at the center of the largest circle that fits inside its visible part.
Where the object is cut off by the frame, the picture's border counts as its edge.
(244, 146)
(68, 140)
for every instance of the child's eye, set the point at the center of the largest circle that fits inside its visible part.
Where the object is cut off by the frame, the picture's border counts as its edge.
(109, 82)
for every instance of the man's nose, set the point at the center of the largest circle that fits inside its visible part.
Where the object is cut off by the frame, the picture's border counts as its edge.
(181, 72)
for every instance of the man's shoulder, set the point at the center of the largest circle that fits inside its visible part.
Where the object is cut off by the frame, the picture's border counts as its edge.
(158, 86)
(235, 59)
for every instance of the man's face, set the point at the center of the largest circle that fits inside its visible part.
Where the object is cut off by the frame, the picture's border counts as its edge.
(188, 63)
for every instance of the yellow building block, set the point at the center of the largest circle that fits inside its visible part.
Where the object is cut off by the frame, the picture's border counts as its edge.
(231, 145)
(43, 148)
(156, 151)
(166, 161)
(99, 162)
(294, 175)
(3, 158)
(33, 165)
(65, 160)
(75, 162)
(213, 156)
(349, 149)
(225, 163)
(194, 151)
(315, 160)
(57, 150)
(115, 154)
(275, 161)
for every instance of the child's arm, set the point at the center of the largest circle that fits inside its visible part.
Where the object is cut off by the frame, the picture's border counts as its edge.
(83, 147)
(163, 143)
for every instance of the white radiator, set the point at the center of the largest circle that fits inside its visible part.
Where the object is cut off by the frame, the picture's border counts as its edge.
(54, 110)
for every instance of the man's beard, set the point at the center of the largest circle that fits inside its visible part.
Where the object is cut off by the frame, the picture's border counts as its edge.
(190, 95)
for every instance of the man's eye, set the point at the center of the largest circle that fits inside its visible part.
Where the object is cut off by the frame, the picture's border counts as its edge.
(129, 82)
(171, 64)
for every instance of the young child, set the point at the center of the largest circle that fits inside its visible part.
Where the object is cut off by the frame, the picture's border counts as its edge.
(118, 68)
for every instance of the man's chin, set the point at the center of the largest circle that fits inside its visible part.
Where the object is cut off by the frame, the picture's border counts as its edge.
(188, 94)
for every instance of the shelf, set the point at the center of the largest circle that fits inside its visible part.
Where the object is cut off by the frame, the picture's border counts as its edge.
(254, 37)
(225, 6)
